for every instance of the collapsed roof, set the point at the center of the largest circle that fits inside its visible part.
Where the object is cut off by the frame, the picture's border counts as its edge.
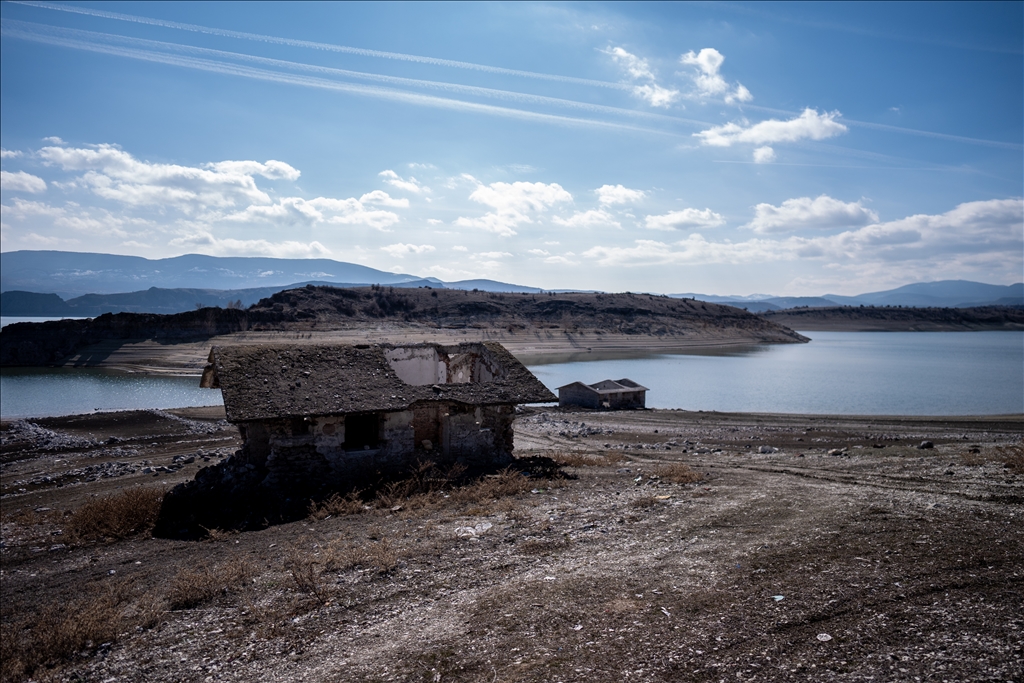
(609, 386)
(285, 380)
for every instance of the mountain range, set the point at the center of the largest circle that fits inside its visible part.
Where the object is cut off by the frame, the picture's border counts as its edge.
(60, 283)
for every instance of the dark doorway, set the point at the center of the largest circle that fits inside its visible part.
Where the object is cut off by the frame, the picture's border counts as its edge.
(362, 431)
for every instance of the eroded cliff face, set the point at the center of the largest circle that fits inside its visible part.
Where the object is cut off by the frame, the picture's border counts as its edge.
(327, 308)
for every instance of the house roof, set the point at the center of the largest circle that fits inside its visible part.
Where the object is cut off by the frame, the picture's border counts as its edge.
(609, 386)
(284, 380)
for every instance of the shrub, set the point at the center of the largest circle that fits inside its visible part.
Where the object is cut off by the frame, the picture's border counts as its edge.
(336, 506)
(61, 630)
(192, 587)
(116, 516)
(679, 473)
(1012, 457)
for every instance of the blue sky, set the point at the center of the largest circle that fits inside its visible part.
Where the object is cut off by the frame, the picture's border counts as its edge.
(719, 148)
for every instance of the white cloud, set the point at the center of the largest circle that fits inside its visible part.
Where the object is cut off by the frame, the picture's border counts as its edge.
(693, 249)
(685, 219)
(587, 219)
(272, 169)
(54, 140)
(327, 210)
(655, 95)
(764, 155)
(399, 250)
(19, 181)
(512, 203)
(384, 199)
(638, 69)
(976, 239)
(459, 247)
(409, 184)
(9, 153)
(804, 213)
(539, 252)
(91, 221)
(560, 261)
(206, 242)
(434, 221)
(617, 194)
(115, 174)
(809, 125)
(492, 254)
(708, 80)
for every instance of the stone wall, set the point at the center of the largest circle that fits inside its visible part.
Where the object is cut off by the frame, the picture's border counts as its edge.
(305, 452)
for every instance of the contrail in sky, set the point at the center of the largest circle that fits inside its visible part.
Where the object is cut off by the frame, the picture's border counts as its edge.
(195, 28)
(323, 46)
(322, 83)
(29, 29)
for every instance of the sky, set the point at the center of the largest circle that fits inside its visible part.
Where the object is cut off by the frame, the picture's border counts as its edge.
(735, 148)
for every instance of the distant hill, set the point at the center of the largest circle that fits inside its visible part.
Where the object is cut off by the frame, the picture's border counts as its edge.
(71, 274)
(154, 300)
(944, 293)
(893, 319)
(532, 318)
(941, 294)
(492, 286)
(92, 284)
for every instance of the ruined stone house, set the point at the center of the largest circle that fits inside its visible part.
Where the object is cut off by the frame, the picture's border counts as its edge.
(620, 394)
(317, 413)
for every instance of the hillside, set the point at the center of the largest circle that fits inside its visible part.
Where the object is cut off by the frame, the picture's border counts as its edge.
(872, 318)
(70, 274)
(643, 321)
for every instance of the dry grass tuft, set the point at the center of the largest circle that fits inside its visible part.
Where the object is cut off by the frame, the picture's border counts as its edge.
(572, 459)
(679, 473)
(307, 573)
(1012, 457)
(60, 631)
(337, 506)
(382, 556)
(339, 555)
(192, 587)
(116, 516)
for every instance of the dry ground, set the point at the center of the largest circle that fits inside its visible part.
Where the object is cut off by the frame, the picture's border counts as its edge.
(684, 546)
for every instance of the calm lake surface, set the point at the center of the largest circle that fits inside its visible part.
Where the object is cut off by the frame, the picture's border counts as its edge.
(845, 373)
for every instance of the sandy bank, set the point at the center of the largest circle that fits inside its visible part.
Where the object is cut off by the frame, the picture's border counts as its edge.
(549, 345)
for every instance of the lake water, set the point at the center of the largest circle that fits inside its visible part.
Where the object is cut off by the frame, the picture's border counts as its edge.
(851, 373)
(40, 392)
(847, 373)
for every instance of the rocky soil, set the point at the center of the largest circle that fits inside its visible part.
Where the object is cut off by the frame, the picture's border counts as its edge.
(679, 546)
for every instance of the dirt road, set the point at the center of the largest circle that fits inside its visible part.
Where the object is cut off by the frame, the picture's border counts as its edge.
(805, 548)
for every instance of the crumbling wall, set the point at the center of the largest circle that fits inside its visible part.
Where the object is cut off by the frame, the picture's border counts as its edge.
(479, 436)
(418, 365)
